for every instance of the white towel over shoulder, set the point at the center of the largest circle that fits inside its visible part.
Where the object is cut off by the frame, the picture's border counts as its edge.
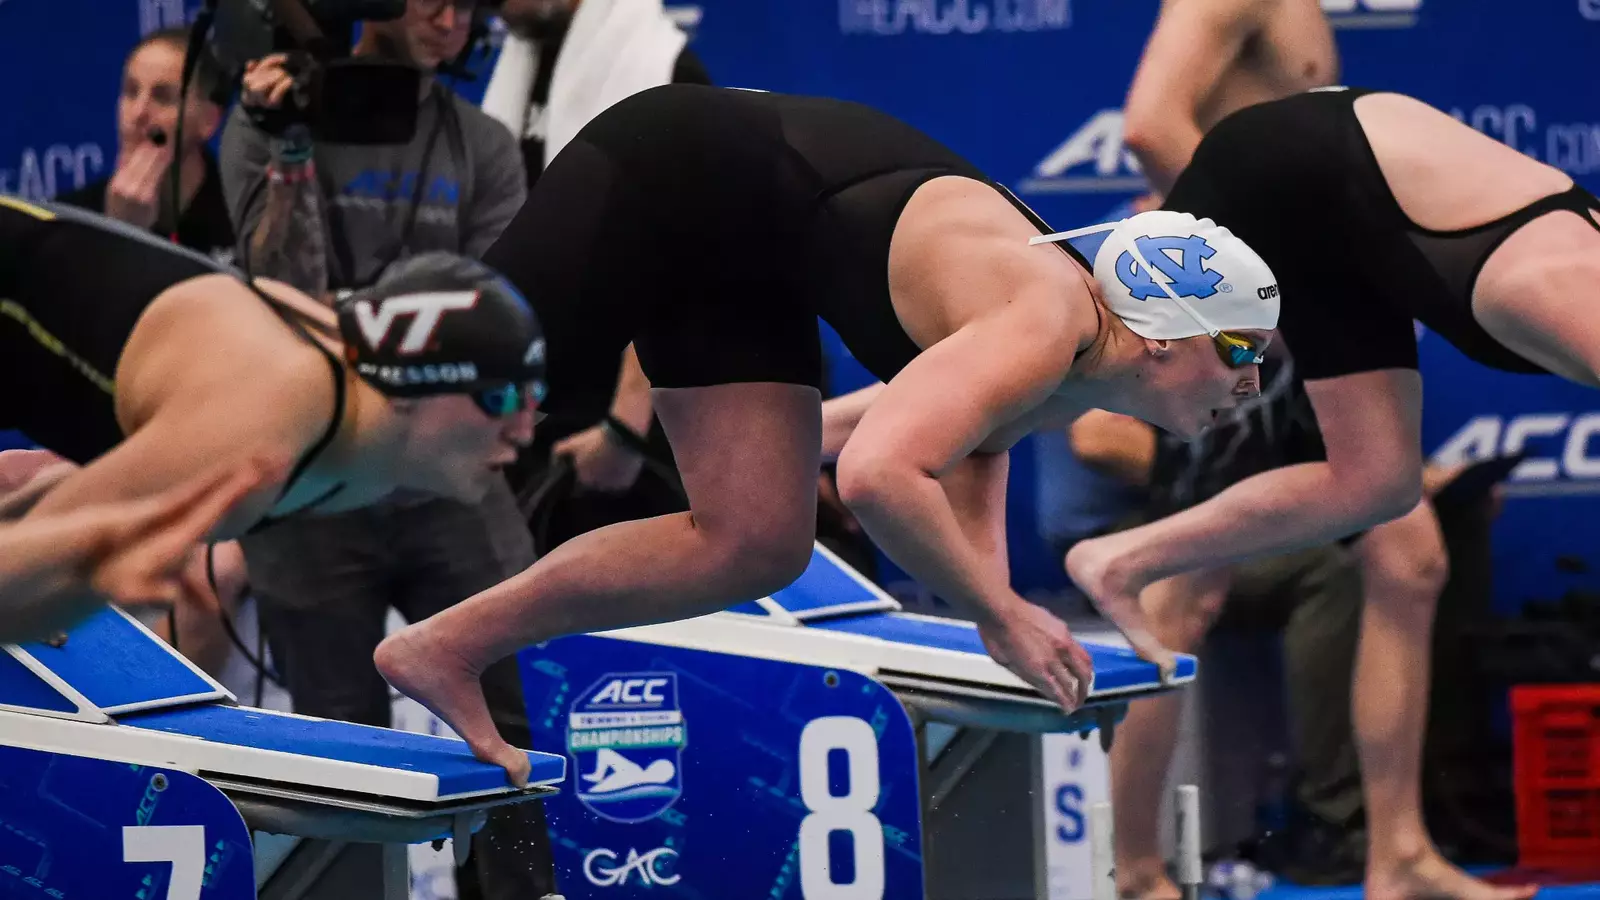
(613, 50)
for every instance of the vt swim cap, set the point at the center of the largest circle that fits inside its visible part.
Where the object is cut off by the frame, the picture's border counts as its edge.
(1205, 280)
(438, 323)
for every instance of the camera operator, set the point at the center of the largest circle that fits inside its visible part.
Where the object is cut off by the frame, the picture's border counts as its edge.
(139, 190)
(326, 217)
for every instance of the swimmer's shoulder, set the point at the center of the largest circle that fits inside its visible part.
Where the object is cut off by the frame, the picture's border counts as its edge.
(213, 335)
(964, 247)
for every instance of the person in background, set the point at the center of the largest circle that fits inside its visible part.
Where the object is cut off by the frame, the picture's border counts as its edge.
(563, 62)
(139, 189)
(326, 218)
(1207, 58)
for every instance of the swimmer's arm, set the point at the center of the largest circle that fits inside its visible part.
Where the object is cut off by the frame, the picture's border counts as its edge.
(1371, 424)
(923, 427)
(976, 490)
(273, 415)
(631, 406)
(27, 476)
(841, 415)
(1117, 445)
(1193, 44)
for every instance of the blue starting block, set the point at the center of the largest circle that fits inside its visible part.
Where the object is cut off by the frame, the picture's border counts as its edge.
(818, 744)
(130, 773)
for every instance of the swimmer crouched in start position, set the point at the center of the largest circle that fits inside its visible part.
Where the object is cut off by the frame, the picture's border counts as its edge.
(1374, 210)
(228, 404)
(711, 227)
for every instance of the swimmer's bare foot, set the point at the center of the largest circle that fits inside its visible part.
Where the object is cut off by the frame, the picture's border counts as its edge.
(1430, 876)
(1090, 565)
(423, 668)
(1137, 881)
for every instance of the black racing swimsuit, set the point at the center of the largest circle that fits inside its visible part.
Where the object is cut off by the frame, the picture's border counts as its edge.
(711, 227)
(1297, 180)
(73, 285)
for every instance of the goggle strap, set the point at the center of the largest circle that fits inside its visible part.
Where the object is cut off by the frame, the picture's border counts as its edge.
(1068, 235)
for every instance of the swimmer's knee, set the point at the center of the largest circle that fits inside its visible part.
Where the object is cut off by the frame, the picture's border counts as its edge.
(782, 563)
(765, 555)
(1405, 561)
(1415, 576)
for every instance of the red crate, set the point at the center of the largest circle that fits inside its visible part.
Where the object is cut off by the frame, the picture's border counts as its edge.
(1556, 749)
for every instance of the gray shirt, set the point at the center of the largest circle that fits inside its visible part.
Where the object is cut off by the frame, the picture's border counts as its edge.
(470, 186)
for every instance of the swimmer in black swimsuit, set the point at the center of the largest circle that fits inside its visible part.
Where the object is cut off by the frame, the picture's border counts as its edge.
(1373, 209)
(146, 363)
(711, 227)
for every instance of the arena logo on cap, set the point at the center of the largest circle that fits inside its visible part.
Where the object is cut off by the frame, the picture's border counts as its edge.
(626, 735)
(1372, 13)
(1093, 160)
(1185, 272)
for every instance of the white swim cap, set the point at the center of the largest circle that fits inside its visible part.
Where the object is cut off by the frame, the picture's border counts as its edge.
(1206, 279)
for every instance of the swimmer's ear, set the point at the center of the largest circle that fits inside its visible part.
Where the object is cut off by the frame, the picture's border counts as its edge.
(1157, 348)
(404, 406)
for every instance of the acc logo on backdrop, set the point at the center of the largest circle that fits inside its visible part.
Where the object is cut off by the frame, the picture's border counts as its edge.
(1093, 160)
(626, 734)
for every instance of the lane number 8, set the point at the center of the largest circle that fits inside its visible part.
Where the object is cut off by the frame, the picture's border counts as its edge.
(850, 812)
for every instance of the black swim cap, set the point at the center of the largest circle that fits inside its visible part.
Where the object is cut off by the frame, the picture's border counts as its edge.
(439, 323)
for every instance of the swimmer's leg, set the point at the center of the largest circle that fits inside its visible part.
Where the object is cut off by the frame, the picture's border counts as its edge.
(748, 455)
(1181, 610)
(1404, 568)
(1533, 295)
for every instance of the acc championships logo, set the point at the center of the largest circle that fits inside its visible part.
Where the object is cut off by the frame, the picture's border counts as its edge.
(1180, 259)
(626, 734)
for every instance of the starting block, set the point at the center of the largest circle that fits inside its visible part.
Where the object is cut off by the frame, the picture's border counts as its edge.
(127, 772)
(819, 744)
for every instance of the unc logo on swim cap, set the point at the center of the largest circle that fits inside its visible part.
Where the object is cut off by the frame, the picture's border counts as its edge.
(1187, 276)
(626, 734)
